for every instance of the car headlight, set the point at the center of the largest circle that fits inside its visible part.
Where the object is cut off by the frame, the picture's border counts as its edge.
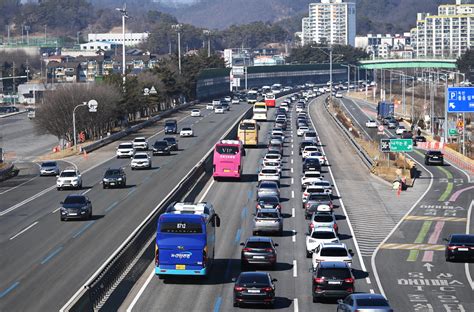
(119, 179)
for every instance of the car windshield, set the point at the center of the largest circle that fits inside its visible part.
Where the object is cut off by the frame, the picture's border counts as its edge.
(372, 302)
(49, 164)
(68, 174)
(311, 161)
(267, 215)
(170, 140)
(312, 175)
(266, 185)
(195, 110)
(258, 245)
(139, 140)
(249, 279)
(268, 199)
(112, 172)
(247, 126)
(269, 171)
(333, 252)
(140, 156)
(126, 146)
(332, 273)
(310, 135)
(325, 184)
(462, 239)
(437, 153)
(75, 200)
(161, 144)
(323, 218)
(323, 235)
(319, 197)
(186, 129)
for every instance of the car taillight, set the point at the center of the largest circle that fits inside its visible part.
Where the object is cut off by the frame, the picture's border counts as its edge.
(349, 280)
(311, 225)
(335, 226)
(319, 280)
(278, 206)
(268, 250)
(452, 247)
(305, 194)
(267, 289)
(157, 256)
(307, 205)
(247, 249)
(239, 288)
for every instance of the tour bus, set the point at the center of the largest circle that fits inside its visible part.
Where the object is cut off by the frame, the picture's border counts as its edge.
(248, 132)
(228, 159)
(260, 111)
(185, 239)
(276, 88)
(252, 96)
(270, 99)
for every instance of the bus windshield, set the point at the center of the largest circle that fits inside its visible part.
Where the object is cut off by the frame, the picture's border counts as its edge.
(227, 150)
(248, 126)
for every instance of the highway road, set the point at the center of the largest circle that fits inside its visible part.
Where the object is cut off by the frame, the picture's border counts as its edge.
(235, 203)
(48, 260)
(418, 278)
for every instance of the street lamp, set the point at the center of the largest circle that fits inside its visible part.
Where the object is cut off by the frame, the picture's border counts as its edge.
(178, 27)
(330, 66)
(208, 34)
(124, 16)
(92, 104)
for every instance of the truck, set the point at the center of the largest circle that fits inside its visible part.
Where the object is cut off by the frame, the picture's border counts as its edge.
(171, 126)
(385, 109)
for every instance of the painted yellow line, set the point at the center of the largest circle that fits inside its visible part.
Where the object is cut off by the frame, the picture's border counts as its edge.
(413, 246)
(428, 218)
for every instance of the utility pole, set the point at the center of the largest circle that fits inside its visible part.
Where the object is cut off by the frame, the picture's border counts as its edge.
(208, 34)
(330, 72)
(124, 13)
(178, 27)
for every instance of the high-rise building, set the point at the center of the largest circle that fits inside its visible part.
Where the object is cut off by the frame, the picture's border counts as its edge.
(448, 34)
(330, 22)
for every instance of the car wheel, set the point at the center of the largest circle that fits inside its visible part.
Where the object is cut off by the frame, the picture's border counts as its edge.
(308, 254)
(63, 219)
(315, 299)
(90, 215)
(58, 188)
(124, 184)
(104, 186)
(132, 168)
(236, 304)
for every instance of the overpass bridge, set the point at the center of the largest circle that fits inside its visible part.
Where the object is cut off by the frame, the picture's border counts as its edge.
(408, 63)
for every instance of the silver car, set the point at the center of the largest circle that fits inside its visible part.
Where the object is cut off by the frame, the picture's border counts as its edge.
(364, 302)
(268, 220)
(49, 168)
(268, 188)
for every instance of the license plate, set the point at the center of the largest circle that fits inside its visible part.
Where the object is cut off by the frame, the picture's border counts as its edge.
(112, 183)
(435, 157)
(180, 267)
(226, 170)
(334, 283)
(73, 214)
(254, 291)
(258, 257)
(463, 249)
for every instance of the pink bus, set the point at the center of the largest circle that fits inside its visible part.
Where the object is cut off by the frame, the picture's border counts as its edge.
(228, 161)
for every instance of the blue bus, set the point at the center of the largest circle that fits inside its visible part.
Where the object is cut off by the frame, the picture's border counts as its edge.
(185, 239)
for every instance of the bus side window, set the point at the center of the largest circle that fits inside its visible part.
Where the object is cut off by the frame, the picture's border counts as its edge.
(217, 220)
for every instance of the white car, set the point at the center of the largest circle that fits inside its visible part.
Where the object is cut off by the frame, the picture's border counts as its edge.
(338, 95)
(319, 156)
(269, 174)
(278, 132)
(140, 160)
(301, 130)
(308, 150)
(317, 236)
(235, 101)
(228, 98)
(125, 150)
(140, 143)
(331, 252)
(284, 106)
(210, 106)
(272, 165)
(400, 130)
(195, 113)
(310, 136)
(272, 157)
(219, 110)
(299, 108)
(371, 123)
(69, 178)
(216, 102)
(186, 132)
(310, 177)
(321, 186)
(326, 185)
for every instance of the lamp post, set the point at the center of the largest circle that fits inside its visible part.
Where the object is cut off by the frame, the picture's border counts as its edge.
(92, 104)
(208, 34)
(124, 13)
(330, 66)
(178, 27)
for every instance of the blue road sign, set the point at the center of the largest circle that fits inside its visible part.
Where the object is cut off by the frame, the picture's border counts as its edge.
(461, 100)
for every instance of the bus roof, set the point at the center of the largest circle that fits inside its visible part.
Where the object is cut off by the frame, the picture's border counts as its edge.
(229, 142)
(252, 121)
(190, 209)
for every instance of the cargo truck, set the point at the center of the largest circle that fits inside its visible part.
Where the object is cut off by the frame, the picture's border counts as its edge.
(384, 110)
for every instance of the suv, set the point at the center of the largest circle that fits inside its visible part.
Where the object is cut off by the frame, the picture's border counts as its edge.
(318, 236)
(332, 252)
(258, 251)
(268, 220)
(172, 142)
(171, 126)
(140, 160)
(69, 178)
(76, 206)
(303, 144)
(125, 150)
(114, 177)
(434, 157)
(140, 143)
(332, 279)
(311, 164)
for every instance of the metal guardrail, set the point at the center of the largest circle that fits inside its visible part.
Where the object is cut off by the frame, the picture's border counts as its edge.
(116, 136)
(366, 159)
(106, 279)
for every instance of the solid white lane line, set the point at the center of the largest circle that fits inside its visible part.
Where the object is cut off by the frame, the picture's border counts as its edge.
(295, 268)
(86, 191)
(207, 191)
(140, 292)
(294, 236)
(295, 305)
(292, 212)
(56, 210)
(24, 230)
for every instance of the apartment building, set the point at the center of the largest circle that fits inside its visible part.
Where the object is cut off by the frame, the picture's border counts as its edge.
(448, 34)
(386, 46)
(330, 22)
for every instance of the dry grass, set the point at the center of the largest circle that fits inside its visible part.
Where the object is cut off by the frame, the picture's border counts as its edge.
(59, 155)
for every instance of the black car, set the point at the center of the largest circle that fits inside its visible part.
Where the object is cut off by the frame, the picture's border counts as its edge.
(114, 177)
(268, 201)
(332, 279)
(161, 148)
(311, 164)
(258, 251)
(172, 143)
(418, 138)
(303, 144)
(76, 206)
(460, 247)
(434, 157)
(254, 288)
